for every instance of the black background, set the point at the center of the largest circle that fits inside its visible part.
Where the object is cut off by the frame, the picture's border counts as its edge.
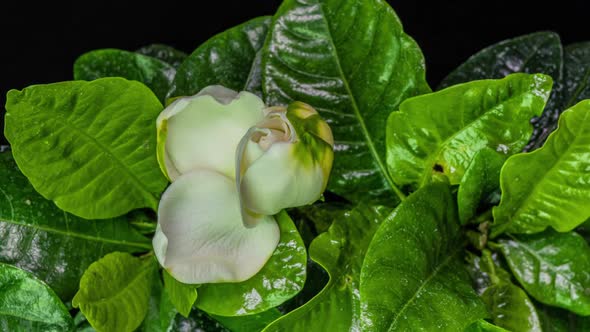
(40, 41)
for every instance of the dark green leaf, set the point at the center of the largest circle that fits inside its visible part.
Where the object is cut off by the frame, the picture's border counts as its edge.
(27, 304)
(340, 251)
(550, 186)
(413, 266)
(482, 178)
(539, 52)
(552, 267)
(280, 279)
(227, 59)
(440, 133)
(483, 326)
(154, 73)
(161, 312)
(559, 320)
(352, 61)
(88, 146)
(55, 246)
(577, 74)
(164, 53)
(115, 291)
(511, 308)
(197, 321)
(181, 295)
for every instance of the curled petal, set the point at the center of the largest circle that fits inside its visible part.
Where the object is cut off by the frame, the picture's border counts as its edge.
(200, 236)
(283, 162)
(204, 130)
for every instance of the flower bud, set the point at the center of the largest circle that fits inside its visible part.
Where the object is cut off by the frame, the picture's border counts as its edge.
(284, 161)
(203, 131)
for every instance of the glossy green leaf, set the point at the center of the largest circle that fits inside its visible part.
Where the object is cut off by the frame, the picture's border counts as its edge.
(340, 251)
(181, 295)
(413, 266)
(280, 279)
(559, 320)
(352, 62)
(511, 308)
(539, 52)
(249, 323)
(115, 291)
(483, 326)
(552, 267)
(88, 146)
(550, 186)
(110, 62)
(161, 312)
(440, 133)
(165, 53)
(485, 270)
(27, 304)
(227, 59)
(481, 178)
(55, 246)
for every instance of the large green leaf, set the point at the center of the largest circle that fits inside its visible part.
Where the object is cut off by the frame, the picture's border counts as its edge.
(440, 133)
(110, 62)
(413, 266)
(227, 59)
(164, 53)
(88, 146)
(115, 291)
(341, 251)
(554, 268)
(280, 279)
(55, 246)
(550, 186)
(352, 61)
(539, 52)
(181, 295)
(27, 304)
(481, 179)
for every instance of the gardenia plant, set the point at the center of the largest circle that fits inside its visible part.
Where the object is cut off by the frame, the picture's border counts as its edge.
(160, 191)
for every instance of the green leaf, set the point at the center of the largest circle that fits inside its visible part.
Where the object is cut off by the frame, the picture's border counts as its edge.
(413, 266)
(110, 62)
(280, 279)
(481, 178)
(164, 53)
(552, 267)
(55, 246)
(183, 296)
(115, 291)
(539, 52)
(550, 186)
(88, 146)
(577, 73)
(161, 312)
(249, 323)
(197, 321)
(226, 59)
(351, 61)
(511, 308)
(340, 251)
(483, 326)
(27, 304)
(559, 320)
(440, 133)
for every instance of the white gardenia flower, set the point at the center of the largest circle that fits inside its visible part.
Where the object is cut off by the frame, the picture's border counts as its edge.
(215, 222)
(284, 161)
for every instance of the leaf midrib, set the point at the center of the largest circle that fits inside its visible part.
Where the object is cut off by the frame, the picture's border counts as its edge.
(444, 263)
(153, 201)
(356, 110)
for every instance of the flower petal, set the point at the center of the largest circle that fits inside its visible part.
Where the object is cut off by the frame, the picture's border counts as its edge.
(204, 130)
(200, 236)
